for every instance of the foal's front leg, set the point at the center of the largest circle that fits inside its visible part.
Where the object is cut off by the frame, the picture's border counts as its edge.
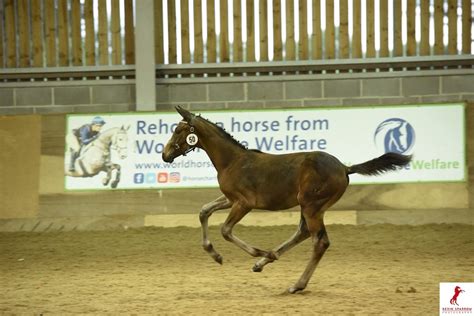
(218, 204)
(236, 214)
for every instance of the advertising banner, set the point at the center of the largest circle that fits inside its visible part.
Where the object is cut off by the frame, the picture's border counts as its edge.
(130, 145)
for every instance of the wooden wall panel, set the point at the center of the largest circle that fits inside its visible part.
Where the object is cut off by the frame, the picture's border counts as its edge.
(263, 36)
(198, 39)
(316, 37)
(115, 30)
(370, 22)
(250, 32)
(224, 35)
(277, 36)
(211, 32)
(356, 35)
(237, 49)
(159, 47)
(303, 30)
(129, 33)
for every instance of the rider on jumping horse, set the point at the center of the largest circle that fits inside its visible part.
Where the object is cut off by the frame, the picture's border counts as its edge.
(84, 135)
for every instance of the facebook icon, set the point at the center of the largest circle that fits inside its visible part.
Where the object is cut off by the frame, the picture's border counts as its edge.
(138, 178)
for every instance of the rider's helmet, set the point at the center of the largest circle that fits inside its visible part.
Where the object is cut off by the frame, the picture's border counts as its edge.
(98, 120)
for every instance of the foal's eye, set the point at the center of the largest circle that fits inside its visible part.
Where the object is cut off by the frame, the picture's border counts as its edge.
(176, 146)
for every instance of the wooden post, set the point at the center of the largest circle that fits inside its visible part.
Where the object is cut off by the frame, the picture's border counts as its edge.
(250, 32)
(411, 28)
(36, 33)
(63, 33)
(129, 33)
(438, 20)
(211, 32)
(185, 49)
(397, 28)
(370, 19)
(116, 36)
(277, 40)
(466, 26)
(103, 34)
(76, 33)
(356, 33)
(90, 33)
(159, 48)
(316, 37)
(290, 31)
(263, 20)
(329, 36)
(198, 39)
(384, 28)
(452, 27)
(303, 28)
(24, 34)
(10, 31)
(237, 45)
(425, 28)
(224, 36)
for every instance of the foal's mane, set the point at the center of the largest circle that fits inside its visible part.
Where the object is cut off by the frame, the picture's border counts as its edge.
(225, 134)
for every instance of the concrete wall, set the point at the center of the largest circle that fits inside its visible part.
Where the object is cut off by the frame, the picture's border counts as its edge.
(315, 93)
(54, 101)
(67, 97)
(102, 96)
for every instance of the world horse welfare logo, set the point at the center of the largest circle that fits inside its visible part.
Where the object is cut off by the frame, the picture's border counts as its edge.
(395, 135)
(456, 298)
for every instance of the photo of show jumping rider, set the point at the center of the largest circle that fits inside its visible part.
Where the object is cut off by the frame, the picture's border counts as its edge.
(89, 151)
(84, 135)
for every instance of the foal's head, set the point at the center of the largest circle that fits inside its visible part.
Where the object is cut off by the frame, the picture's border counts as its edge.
(184, 138)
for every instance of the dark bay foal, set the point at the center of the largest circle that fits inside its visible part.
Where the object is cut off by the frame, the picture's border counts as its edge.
(251, 179)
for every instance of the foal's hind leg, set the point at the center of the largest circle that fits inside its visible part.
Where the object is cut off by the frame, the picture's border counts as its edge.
(218, 204)
(317, 193)
(313, 213)
(320, 245)
(301, 234)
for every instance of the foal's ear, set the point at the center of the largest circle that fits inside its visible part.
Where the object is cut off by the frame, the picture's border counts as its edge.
(187, 116)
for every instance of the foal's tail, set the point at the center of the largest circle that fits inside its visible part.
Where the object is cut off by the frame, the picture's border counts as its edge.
(387, 162)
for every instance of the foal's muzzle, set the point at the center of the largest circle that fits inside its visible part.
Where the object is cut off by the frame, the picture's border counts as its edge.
(167, 158)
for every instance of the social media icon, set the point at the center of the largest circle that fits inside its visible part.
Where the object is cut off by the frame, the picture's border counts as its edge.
(138, 178)
(150, 178)
(175, 177)
(162, 177)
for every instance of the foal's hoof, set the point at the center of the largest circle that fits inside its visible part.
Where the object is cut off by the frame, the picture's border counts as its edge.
(294, 289)
(219, 259)
(257, 268)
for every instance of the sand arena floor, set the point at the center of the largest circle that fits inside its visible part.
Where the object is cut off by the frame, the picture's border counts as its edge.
(367, 270)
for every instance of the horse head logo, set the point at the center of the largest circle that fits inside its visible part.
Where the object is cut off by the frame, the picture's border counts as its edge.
(395, 135)
(454, 299)
(120, 142)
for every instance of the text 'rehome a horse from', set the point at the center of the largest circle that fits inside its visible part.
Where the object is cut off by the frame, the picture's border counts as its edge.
(252, 179)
